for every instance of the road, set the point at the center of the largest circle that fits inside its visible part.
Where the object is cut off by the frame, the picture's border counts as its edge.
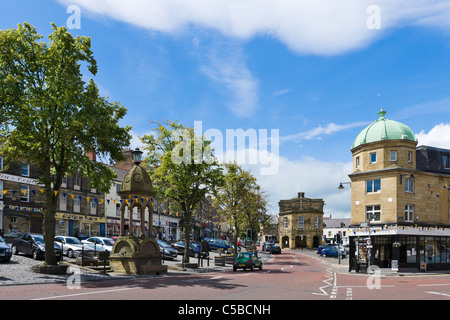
(289, 276)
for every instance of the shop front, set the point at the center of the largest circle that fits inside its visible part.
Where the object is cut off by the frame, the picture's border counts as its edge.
(78, 225)
(400, 247)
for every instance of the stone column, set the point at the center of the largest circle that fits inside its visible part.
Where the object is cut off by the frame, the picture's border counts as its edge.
(142, 220)
(130, 223)
(122, 221)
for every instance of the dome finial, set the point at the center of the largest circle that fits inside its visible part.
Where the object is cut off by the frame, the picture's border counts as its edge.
(381, 114)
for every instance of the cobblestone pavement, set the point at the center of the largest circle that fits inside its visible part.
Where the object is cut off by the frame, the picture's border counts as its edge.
(18, 271)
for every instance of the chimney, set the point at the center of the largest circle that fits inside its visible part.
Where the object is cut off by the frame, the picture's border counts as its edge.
(128, 163)
(91, 155)
(301, 194)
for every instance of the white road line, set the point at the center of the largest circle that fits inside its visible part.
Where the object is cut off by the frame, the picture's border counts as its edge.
(438, 293)
(84, 294)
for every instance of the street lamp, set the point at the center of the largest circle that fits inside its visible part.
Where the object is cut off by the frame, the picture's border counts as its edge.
(341, 185)
(137, 156)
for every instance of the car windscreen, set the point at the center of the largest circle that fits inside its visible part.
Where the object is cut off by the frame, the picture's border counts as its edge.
(108, 242)
(38, 239)
(1, 239)
(73, 241)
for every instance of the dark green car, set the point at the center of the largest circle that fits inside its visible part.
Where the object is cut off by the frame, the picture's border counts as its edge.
(247, 260)
(275, 249)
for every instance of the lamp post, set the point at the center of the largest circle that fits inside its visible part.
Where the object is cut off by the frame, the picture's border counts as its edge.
(341, 185)
(137, 156)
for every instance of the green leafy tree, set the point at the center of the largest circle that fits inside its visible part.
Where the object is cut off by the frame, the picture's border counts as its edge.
(183, 169)
(237, 199)
(50, 117)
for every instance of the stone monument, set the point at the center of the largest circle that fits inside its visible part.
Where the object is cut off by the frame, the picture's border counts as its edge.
(136, 254)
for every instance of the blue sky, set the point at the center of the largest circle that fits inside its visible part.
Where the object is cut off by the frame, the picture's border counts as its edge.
(311, 69)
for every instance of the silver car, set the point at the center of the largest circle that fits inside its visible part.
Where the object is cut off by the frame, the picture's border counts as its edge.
(72, 246)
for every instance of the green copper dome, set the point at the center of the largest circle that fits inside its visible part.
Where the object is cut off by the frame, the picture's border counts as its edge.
(384, 129)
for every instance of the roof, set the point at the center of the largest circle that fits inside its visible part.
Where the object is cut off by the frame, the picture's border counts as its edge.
(336, 223)
(384, 129)
(430, 159)
(136, 181)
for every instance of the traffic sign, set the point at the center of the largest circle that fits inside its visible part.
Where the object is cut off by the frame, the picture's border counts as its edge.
(369, 242)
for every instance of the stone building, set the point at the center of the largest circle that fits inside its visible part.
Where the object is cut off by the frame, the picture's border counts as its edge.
(300, 223)
(21, 198)
(399, 199)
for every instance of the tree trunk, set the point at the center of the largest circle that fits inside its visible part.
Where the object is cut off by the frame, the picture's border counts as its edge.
(49, 220)
(187, 236)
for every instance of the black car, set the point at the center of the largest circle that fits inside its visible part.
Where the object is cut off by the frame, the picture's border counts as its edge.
(194, 248)
(5, 251)
(34, 245)
(167, 251)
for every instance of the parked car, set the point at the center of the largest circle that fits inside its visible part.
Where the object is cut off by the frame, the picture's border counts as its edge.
(331, 251)
(194, 248)
(268, 246)
(167, 251)
(5, 251)
(216, 244)
(275, 249)
(321, 247)
(100, 243)
(72, 246)
(247, 260)
(34, 245)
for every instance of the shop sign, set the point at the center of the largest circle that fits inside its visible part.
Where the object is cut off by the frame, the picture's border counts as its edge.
(9, 177)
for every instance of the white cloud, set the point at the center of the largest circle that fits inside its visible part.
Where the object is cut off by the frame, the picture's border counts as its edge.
(313, 27)
(438, 136)
(318, 179)
(320, 131)
(225, 66)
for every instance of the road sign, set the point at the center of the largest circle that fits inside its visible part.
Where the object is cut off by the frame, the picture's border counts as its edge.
(369, 242)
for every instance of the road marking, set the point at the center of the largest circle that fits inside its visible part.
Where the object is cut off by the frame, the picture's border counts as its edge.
(329, 276)
(438, 293)
(84, 293)
(433, 285)
(349, 294)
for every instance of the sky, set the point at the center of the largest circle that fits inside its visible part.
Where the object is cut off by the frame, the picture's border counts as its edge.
(301, 77)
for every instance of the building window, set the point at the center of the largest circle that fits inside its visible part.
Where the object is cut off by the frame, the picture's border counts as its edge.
(1, 190)
(117, 210)
(63, 201)
(409, 185)
(316, 222)
(76, 204)
(1, 164)
(25, 169)
(77, 182)
(24, 193)
(409, 213)
(409, 156)
(373, 213)
(118, 186)
(301, 222)
(357, 162)
(285, 222)
(393, 155)
(373, 186)
(373, 157)
(446, 161)
(64, 182)
(93, 208)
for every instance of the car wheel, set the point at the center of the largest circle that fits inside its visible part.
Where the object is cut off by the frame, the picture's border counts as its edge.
(14, 250)
(35, 255)
(234, 269)
(70, 253)
(260, 267)
(252, 268)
